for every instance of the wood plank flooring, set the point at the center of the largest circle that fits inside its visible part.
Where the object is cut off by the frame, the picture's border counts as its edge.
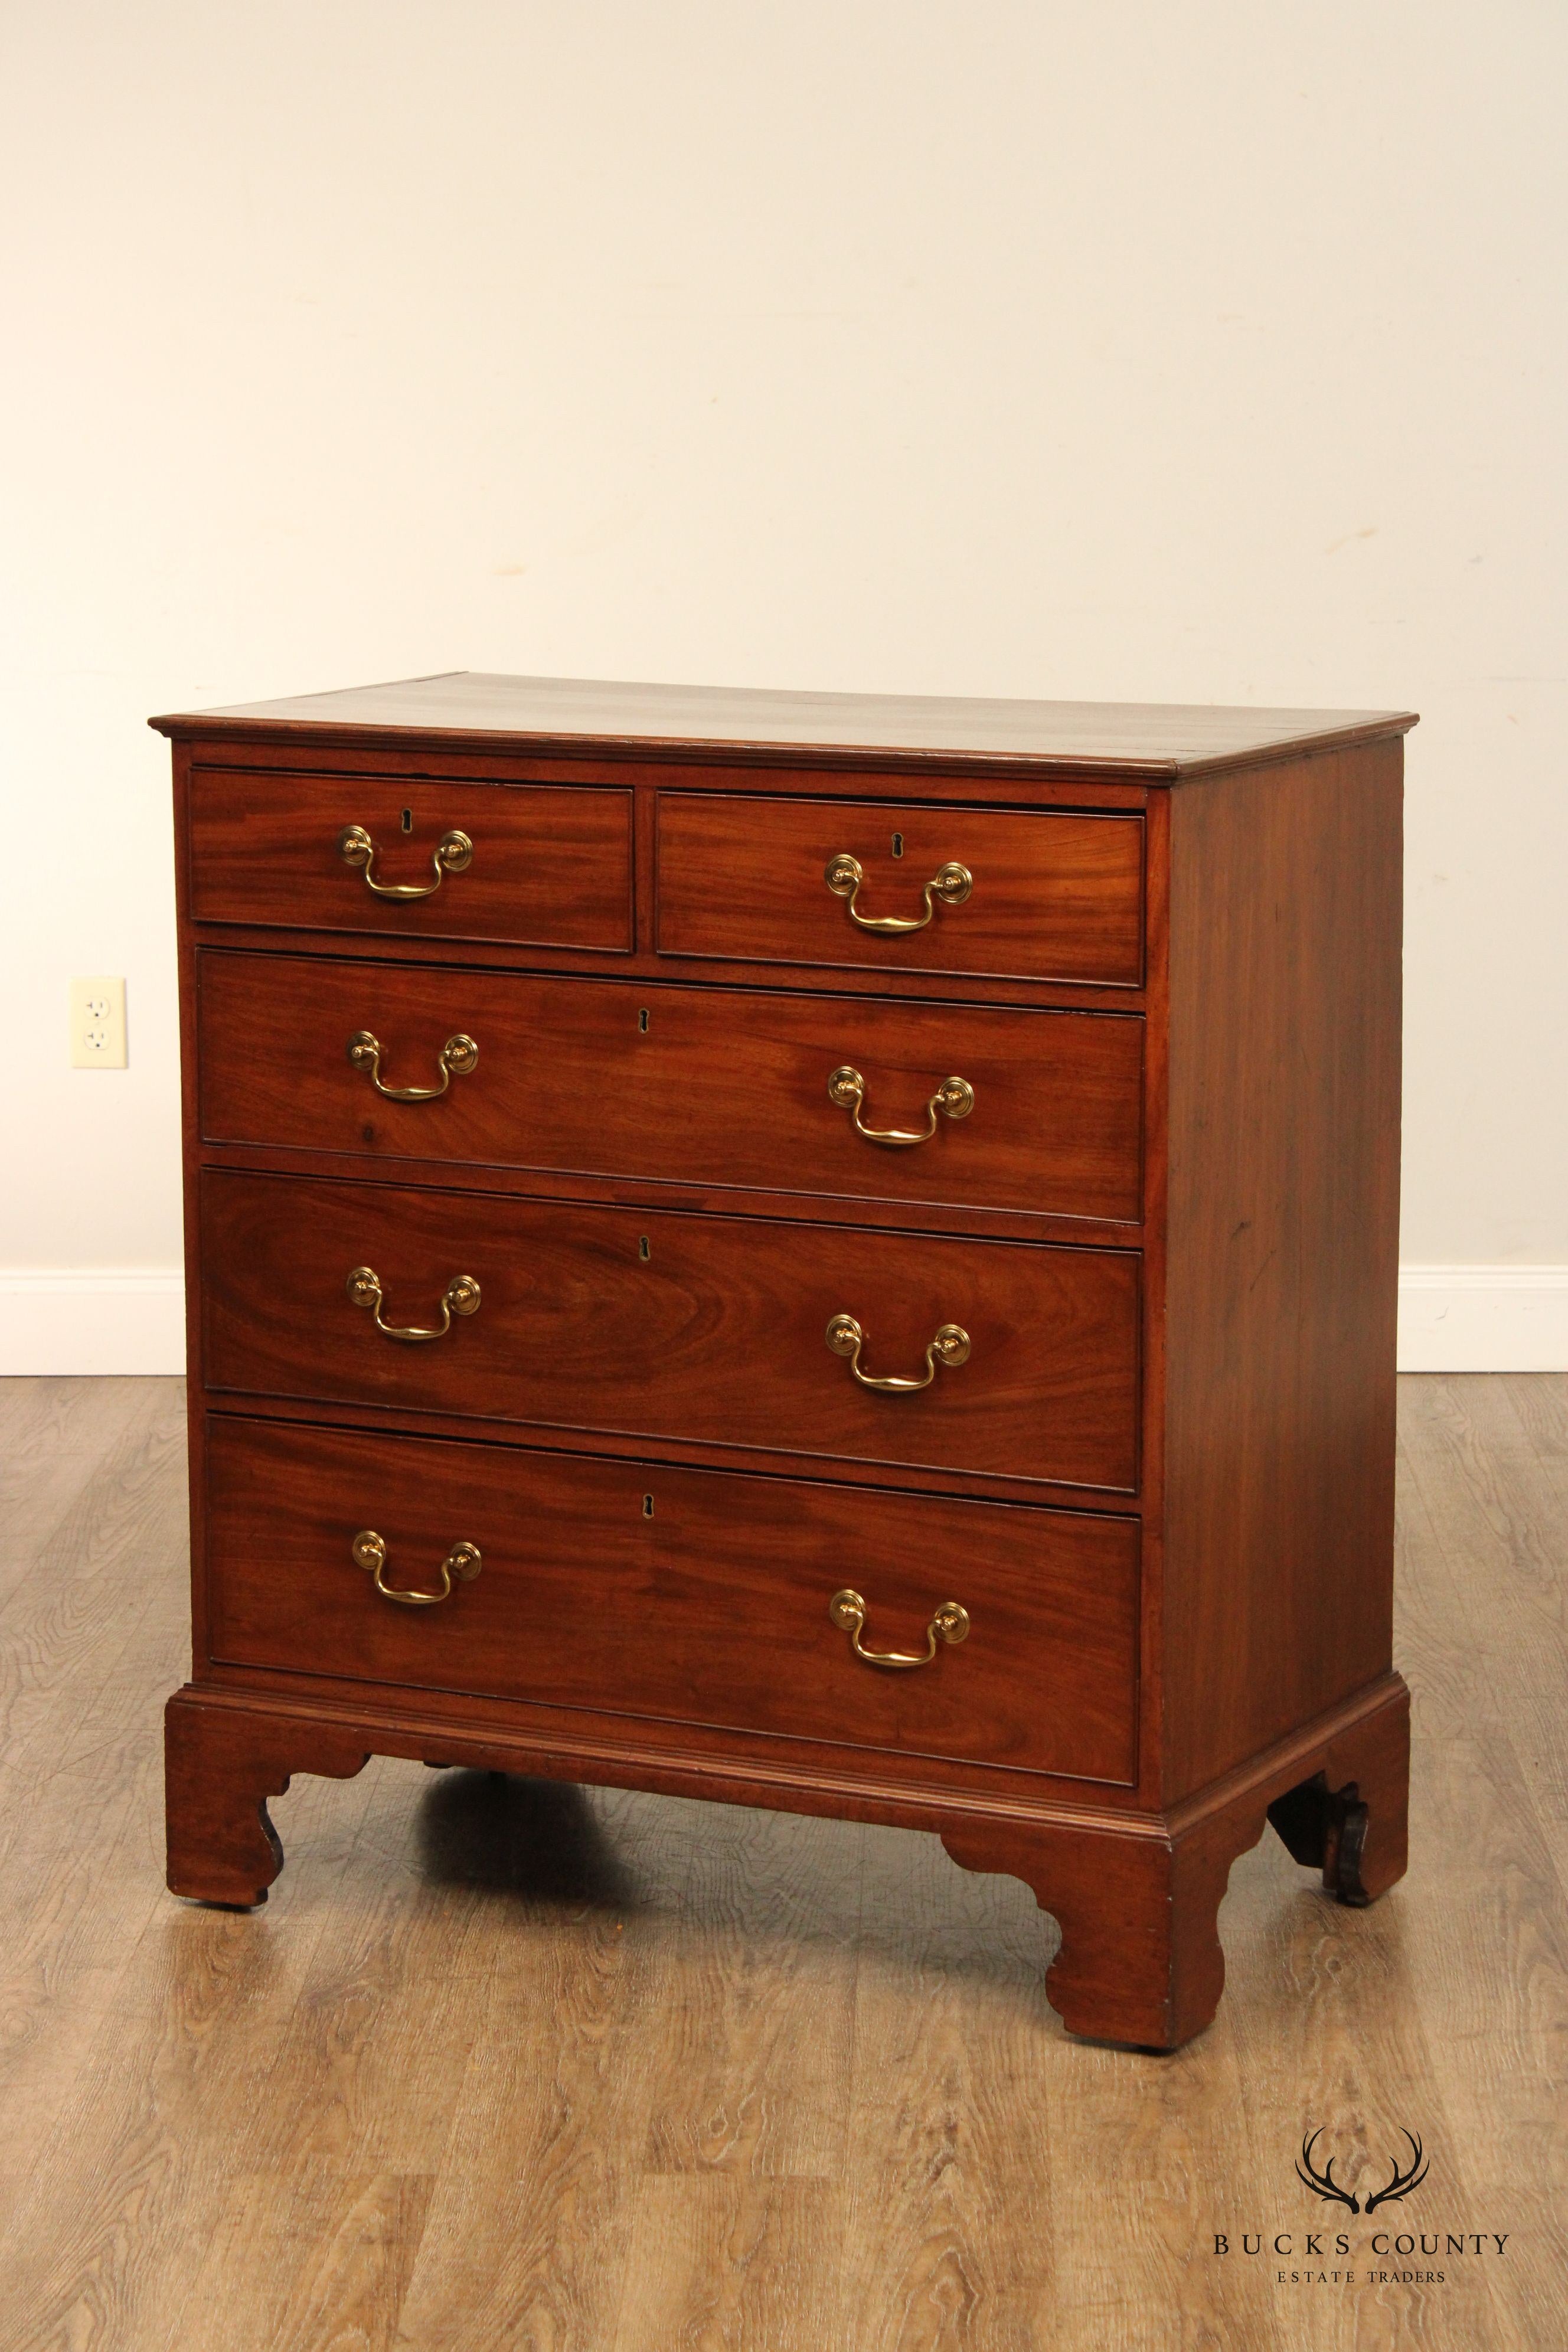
(510, 2064)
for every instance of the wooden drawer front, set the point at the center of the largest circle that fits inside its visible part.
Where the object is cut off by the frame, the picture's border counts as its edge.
(721, 1087)
(714, 1609)
(718, 1335)
(1053, 896)
(551, 863)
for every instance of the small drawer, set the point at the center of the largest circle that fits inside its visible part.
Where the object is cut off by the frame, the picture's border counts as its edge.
(685, 1595)
(751, 1088)
(645, 1324)
(1013, 895)
(534, 865)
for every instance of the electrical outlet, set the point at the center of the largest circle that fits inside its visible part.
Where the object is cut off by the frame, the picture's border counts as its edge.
(97, 1025)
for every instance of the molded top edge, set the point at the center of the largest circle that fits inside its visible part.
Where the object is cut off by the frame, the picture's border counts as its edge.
(1156, 743)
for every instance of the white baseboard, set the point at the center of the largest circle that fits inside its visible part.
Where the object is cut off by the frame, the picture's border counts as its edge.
(1483, 1319)
(86, 1320)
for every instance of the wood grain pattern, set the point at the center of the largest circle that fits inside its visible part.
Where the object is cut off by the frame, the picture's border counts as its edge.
(1140, 1961)
(718, 1334)
(1489, 1481)
(1054, 898)
(331, 2271)
(1282, 1250)
(680, 1595)
(1160, 740)
(242, 767)
(951, 2187)
(1230, 1376)
(219, 1770)
(1137, 1894)
(602, 1970)
(552, 864)
(59, 1433)
(704, 1086)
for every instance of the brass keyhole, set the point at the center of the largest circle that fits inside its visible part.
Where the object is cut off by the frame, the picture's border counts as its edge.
(898, 844)
(644, 1251)
(408, 820)
(642, 1020)
(648, 1506)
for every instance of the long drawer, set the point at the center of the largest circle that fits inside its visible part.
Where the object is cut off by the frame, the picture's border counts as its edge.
(703, 1087)
(541, 865)
(687, 1595)
(700, 1327)
(890, 887)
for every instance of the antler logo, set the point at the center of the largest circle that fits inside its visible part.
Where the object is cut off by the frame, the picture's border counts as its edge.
(1324, 2184)
(1400, 2183)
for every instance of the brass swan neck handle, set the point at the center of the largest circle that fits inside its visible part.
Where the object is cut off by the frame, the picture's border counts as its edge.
(451, 855)
(950, 1346)
(457, 1058)
(949, 1624)
(461, 1296)
(845, 876)
(463, 1562)
(954, 1098)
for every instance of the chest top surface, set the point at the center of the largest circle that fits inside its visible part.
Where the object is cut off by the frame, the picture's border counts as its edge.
(1153, 742)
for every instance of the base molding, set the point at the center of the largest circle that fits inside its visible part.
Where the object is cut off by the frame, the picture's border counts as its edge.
(87, 1322)
(1483, 1319)
(1137, 1894)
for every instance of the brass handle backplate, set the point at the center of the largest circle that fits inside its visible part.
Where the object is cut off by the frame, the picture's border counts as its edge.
(461, 1296)
(951, 1346)
(954, 1098)
(456, 1059)
(848, 1611)
(462, 1561)
(845, 875)
(451, 855)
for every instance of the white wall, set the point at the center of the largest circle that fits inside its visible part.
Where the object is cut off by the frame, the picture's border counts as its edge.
(1209, 353)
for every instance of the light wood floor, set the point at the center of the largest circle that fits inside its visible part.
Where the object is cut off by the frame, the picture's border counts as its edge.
(506, 2064)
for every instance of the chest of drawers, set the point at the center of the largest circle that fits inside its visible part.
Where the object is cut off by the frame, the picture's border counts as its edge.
(817, 1251)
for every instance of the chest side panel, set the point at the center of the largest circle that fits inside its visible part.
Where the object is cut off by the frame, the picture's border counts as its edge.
(1281, 1249)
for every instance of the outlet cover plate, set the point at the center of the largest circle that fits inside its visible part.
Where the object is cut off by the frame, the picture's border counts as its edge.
(97, 1025)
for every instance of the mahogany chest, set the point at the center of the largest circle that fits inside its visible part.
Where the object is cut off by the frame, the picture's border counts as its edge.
(821, 1251)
